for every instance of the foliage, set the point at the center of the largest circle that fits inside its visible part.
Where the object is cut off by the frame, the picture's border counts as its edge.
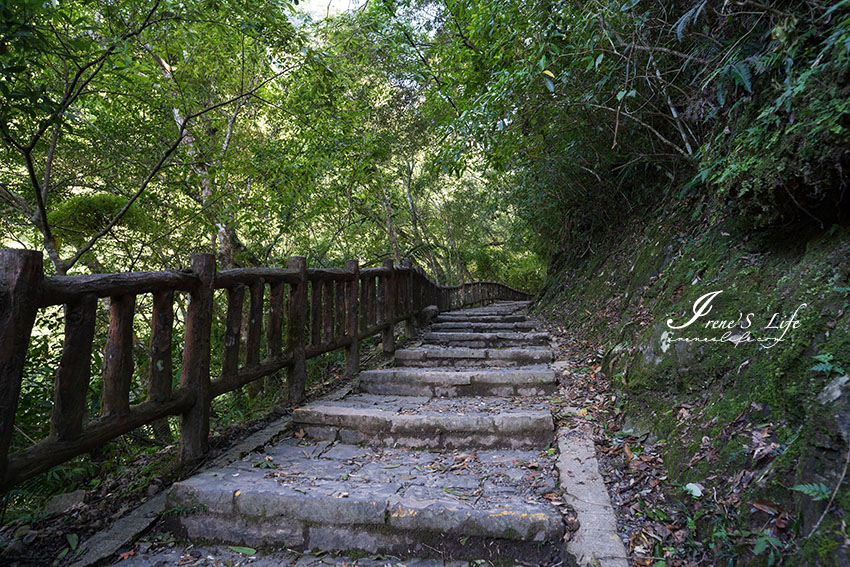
(826, 365)
(817, 491)
(481, 139)
(783, 150)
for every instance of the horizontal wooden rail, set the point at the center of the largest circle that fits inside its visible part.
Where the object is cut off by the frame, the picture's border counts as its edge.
(274, 320)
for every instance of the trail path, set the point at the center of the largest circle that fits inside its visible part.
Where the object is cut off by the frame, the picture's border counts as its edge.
(451, 455)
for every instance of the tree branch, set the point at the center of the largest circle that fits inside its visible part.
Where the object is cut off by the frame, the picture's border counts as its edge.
(158, 166)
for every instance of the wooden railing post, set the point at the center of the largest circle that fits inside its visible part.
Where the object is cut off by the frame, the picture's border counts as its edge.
(352, 291)
(328, 311)
(195, 375)
(388, 287)
(118, 358)
(21, 276)
(72, 377)
(255, 324)
(296, 319)
(410, 301)
(233, 332)
(162, 324)
(274, 328)
(316, 287)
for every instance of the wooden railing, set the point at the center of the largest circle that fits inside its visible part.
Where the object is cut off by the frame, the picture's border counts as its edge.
(309, 312)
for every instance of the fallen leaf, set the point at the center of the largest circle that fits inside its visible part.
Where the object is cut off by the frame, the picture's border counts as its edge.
(694, 489)
(771, 508)
(243, 550)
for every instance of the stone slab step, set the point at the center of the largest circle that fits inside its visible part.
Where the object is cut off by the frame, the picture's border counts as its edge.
(482, 340)
(429, 357)
(431, 423)
(473, 327)
(455, 317)
(337, 497)
(489, 311)
(522, 381)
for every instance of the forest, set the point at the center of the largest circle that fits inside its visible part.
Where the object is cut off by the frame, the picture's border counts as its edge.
(616, 159)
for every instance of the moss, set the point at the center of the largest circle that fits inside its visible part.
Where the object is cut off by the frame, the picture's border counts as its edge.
(818, 549)
(654, 272)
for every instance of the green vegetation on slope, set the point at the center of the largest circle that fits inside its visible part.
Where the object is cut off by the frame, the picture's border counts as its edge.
(648, 153)
(759, 401)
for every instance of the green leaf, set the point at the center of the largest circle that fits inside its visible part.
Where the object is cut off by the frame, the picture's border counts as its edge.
(549, 84)
(542, 62)
(760, 546)
(61, 556)
(243, 550)
(73, 540)
(817, 491)
(741, 72)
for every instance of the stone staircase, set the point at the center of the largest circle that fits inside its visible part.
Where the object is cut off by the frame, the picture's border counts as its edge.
(449, 454)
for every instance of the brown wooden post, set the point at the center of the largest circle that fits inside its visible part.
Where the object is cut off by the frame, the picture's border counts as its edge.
(274, 330)
(418, 290)
(410, 322)
(328, 311)
(255, 324)
(398, 295)
(195, 375)
(118, 358)
(233, 332)
(363, 306)
(162, 328)
(388, 286)
(316, 312)
(373, 300)
(72, 376)
(352, 289)
(21, 276)
(339, 310)
(296, 319)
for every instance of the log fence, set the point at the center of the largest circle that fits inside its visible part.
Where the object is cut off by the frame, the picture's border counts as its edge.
(296, 313)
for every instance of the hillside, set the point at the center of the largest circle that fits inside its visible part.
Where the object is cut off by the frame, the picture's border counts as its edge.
(755, 409)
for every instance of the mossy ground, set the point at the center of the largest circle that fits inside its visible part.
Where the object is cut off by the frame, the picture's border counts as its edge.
(654, 270)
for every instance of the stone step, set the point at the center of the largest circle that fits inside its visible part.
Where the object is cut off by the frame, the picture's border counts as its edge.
(483, 340)
(430, 423)
(488, 311)
(499, 306)
(474, 327)
(336, 497)
(523, 381)
(429, 357)
(453, 317)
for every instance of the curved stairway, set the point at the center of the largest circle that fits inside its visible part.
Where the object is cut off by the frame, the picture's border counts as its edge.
(451, 453)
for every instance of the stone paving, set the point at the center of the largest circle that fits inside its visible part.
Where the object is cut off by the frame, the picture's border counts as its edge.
(450, 455)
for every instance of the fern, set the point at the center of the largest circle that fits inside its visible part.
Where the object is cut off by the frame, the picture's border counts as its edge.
(817, 491)
(826, 365)
(688, 18)
(740, 71)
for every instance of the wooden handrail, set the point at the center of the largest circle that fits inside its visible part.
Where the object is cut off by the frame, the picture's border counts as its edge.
(295, 313)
